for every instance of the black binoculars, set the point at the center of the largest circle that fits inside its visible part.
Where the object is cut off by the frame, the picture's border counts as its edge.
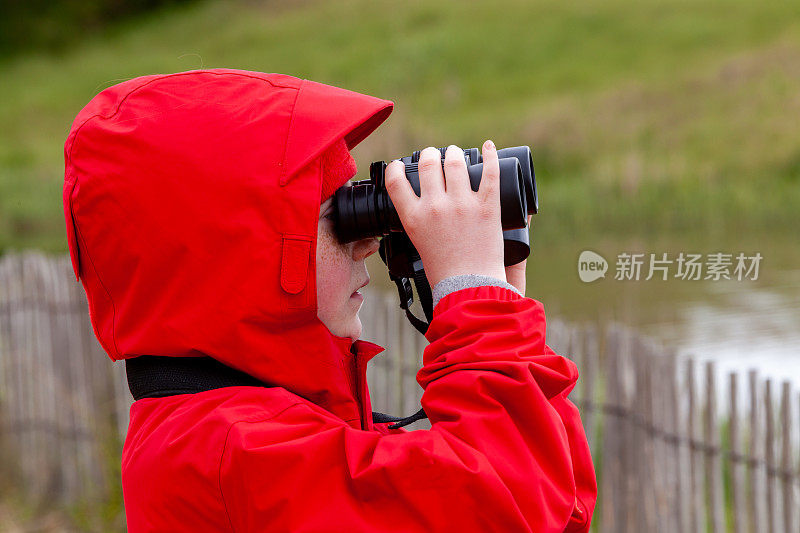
(365, 210)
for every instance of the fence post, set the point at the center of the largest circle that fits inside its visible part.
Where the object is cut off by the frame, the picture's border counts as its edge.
(680, 449)
(769, 458)
(664, 465)
(11, 405)
(575, 354)
(589, 359)
(613, 491)
(786, 457)
(696, 456)
(648, 473)
(52, 284)
(32, 295)
(631, 448)
(408, 367)
(638, 488)
(76, 324)
(381, 383)
(736, 467)
(755, 457)
(713, 463)
(22, 363)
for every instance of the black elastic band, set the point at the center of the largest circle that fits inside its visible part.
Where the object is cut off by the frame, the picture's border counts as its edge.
(151, 376)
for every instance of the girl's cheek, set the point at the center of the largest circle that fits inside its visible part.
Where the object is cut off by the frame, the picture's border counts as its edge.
(333, 256)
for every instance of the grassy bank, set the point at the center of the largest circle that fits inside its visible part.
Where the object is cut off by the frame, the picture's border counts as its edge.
(645, 118)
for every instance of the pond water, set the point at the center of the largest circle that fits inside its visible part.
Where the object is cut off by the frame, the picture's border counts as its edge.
(742, 324)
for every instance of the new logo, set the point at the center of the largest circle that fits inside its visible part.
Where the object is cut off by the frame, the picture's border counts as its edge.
(591, 266)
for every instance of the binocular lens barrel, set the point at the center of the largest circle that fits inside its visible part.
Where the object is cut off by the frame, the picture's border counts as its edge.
(361, 211)
(525, 158)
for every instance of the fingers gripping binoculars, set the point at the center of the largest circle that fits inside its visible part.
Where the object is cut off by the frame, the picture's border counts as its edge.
(365, 209)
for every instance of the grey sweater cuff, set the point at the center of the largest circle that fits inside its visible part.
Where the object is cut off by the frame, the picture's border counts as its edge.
(466, 281)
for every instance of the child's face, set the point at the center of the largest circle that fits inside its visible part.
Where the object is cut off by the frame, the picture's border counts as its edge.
(340, 272)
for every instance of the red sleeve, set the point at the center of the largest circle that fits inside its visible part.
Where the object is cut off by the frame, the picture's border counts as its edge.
(506, 450)
(583, 469)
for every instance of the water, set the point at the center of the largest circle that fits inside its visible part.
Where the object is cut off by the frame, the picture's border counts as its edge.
(742, 327)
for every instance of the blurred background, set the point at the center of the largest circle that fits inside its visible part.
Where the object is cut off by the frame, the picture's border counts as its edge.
(656, 127)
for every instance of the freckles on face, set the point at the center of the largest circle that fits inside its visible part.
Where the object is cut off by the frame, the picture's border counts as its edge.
(337, 276)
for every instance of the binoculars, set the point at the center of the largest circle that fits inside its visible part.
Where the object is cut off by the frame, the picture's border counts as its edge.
(365, 210)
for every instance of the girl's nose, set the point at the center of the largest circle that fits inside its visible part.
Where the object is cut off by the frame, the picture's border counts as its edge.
(365, 248)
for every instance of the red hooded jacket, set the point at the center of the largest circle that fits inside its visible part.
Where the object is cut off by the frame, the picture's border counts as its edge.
(191, 204)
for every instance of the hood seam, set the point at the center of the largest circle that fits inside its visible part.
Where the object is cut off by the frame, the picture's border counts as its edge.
(163, 77)
(284, 179)
(105, 289)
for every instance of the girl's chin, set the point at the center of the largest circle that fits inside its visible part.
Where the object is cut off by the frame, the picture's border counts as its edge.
(355, 329)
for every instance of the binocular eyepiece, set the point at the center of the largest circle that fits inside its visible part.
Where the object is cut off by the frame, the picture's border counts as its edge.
(364, 209)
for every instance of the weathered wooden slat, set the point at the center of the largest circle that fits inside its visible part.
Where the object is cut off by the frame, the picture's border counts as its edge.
(33, 425)
(10, 402)
(27, 371)
(713, 459)
(393, 348)
(78, 329)
(755, 457)
(397, 370)
(787, 468)
(769, 458)
(367, 315)
(590, 359)
(122, 399)
(52, 341)
(81, 405)
(575, 354)
(648, 475)
(662, 464)
(638, 496)
(681, 449)
(379, 393)
(611, 493)
(697, 457)
(408, 366)
(737, 467)
(629, 447)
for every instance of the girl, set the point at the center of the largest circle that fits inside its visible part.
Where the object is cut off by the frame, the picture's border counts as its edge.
(196, 208)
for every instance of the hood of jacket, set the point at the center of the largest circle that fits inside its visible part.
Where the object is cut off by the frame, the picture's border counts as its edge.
(191, 203)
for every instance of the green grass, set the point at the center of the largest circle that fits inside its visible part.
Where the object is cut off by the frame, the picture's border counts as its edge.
(644, 117)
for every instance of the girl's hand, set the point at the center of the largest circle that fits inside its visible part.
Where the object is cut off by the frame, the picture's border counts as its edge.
(455, 229)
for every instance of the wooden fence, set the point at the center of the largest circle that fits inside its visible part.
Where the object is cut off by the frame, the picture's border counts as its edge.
(677, 447)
